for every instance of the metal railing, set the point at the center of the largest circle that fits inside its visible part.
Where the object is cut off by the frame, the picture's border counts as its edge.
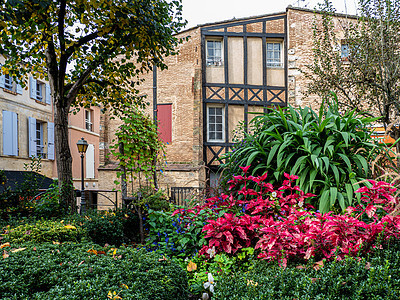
(186, 196)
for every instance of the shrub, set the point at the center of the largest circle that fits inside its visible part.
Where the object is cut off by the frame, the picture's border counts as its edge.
(279, 223)
(176, 233)
(87, 271)
(48, 205)
(44, 231)
(375, 277)
(105, 227)
(328, 151)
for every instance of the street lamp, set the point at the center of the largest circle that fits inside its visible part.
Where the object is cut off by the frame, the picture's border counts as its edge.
(82, 147)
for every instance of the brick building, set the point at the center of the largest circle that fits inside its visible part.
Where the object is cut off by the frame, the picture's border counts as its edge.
(224, 71)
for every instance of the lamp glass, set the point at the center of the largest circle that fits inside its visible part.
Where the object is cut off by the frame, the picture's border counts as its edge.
(82, 145)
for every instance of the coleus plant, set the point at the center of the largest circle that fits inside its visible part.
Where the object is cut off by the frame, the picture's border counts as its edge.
(280, 223)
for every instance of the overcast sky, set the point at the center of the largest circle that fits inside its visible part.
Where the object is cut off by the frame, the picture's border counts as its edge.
(198, 12)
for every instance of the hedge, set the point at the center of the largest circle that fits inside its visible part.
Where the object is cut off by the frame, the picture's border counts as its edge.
(87, 271)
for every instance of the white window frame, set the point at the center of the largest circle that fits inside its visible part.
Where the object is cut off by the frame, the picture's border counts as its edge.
(215, 124)
(40, 140)
(39, 91)
(214, 60)
(344, 51)
(88, 119)
(274, 64)
(8, 82)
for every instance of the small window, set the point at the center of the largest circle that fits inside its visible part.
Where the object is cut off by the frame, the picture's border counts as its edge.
(8, 82)
(214, 53)
(39, 91)
(215, 125)
(88, 120)
(345, 51)
(39, 140)
(274, 55)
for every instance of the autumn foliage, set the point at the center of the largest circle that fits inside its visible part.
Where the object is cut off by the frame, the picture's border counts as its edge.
(280, 223)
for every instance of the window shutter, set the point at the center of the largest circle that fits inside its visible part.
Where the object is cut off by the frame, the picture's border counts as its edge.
(48, 94)
(19, 87)
(10, 133)
(2, 79)
(164, 118)
(90, 161)
(32, 87)
(32, 136)
(50, 140)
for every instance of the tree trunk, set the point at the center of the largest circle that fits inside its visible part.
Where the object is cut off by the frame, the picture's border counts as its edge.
(63, 156)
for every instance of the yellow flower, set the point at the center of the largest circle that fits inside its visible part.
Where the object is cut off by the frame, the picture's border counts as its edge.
(70, 226)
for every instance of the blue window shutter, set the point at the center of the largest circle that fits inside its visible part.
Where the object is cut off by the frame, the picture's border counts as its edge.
(15, 133)
(48, 94)
(32, 87)
(10, 135)
(50, 140)
(19, 87)
(2, 79)
(32, 136)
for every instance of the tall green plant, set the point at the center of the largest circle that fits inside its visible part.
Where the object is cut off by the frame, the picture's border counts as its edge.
(138, 150)
(328, 151)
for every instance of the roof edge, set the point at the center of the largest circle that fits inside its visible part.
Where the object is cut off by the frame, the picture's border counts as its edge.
(289, 7)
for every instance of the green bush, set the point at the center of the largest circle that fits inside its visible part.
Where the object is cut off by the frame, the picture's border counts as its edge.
(44, 231)
(376, 277)
(104, 227)
(87, 271)
(176, 235)
(48, 205)
(328, 151)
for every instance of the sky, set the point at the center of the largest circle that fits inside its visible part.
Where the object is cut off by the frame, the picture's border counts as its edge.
(198, 12)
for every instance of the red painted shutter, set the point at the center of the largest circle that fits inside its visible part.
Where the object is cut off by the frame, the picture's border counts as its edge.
(164, 117)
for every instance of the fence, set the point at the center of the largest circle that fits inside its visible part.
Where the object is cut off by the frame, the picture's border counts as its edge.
(187, 196)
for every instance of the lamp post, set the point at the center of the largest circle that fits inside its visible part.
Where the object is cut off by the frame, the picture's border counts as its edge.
(82, 147)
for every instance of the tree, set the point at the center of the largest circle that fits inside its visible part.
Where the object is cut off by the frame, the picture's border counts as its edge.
(138, 149)
(90, 51)
(368, 78)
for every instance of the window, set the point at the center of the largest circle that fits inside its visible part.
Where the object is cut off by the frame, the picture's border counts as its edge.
(9, 84)
(274, 55)
(88, 120)
(215, 126)
(345, 51)
(37, 138)
(10, 133)
(40, 91)
(214, 53)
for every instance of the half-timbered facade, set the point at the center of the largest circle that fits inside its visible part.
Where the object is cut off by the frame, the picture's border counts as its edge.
(223, 72)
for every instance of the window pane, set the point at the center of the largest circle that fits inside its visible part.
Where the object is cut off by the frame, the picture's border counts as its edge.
(219, 127)
(277, 46)
(212, 127)
(218, 136)
(212, 136)
(219, 119)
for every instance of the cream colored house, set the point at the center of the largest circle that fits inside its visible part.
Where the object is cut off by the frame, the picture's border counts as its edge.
(26, 124)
